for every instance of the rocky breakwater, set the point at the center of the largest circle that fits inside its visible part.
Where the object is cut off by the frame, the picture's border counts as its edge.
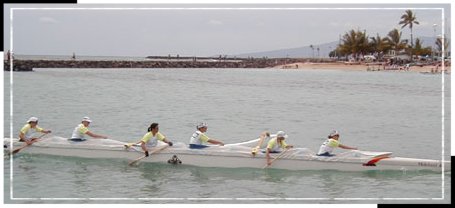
(29, 65)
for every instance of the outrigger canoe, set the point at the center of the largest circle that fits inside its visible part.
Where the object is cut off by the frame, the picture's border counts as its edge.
(229, 156)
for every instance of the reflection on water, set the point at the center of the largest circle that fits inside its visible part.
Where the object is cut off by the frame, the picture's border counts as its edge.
(107, 178)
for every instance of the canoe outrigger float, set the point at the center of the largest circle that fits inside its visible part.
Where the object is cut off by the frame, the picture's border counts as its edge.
(229, 156)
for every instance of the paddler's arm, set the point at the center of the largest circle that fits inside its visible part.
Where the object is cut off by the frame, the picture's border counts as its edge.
(265, 134)
(213, 141)
(168, 142)
(21, 136)
(287, 146)
(46, 131)
(262, 137)
(144, 147)
(95, 135)
(346, 147)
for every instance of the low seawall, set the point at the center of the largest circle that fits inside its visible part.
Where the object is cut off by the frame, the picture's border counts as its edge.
(29, 65)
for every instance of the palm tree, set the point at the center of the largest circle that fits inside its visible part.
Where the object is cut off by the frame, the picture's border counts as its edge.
(354, 43)
(419, 49)
(312, 48)
(378, 45)
(394, 40)
(408, 19)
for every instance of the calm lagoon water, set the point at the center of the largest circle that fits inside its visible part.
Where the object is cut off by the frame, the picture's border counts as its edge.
(375, 111)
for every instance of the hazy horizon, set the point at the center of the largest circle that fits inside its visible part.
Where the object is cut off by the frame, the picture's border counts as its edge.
(147, 31)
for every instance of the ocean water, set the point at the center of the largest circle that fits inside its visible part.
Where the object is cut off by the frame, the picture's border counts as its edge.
(374, 111)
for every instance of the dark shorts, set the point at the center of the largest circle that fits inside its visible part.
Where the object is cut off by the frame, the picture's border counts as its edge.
(326, 154)
(265, 151)
(76, 140)
(22, 140)
(197, 146)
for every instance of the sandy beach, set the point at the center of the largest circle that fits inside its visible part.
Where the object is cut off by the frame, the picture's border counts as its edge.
(355, 67)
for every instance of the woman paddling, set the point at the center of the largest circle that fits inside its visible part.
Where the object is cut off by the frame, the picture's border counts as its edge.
(198, 139)
(276, 144)
(82, 129)
(150, 139)
(331, 143)
(27, 133)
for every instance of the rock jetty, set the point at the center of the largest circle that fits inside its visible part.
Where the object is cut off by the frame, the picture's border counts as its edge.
(29, 65)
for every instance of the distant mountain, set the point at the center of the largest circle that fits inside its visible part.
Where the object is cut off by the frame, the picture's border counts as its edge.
(307, 52)
(300, 52)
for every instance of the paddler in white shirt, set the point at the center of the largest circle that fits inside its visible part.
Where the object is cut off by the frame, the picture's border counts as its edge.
(27, 132)
(198, 139)
(276, 144)
(331, 143)
(82, 129)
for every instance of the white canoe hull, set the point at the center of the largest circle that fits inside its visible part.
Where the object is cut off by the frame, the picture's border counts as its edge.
(233, 156)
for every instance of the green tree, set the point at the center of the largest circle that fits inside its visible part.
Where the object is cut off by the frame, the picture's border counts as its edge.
(354, 43)
(408, 19)
(379, 44)
(419, 49)
(394, 40)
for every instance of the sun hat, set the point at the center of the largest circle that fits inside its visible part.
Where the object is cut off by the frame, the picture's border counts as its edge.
(281, 134)
(86, 119)
(201, 124)
(333, 133)
(32, 119)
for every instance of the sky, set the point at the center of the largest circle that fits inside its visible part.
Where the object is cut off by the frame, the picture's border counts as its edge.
(201, 32)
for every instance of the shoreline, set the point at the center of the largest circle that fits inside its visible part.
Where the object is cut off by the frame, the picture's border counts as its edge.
(29, 65)
(357, 67)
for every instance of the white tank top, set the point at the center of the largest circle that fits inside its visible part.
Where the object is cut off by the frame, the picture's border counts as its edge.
(79, 132)
(328, 146)
(196, 138)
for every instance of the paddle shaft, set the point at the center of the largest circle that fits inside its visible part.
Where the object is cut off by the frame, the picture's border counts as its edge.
(26, 145)
(142, 157)
(276, 158)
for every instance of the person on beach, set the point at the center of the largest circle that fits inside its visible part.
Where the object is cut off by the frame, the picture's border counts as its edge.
(150, 139)
(331, 143)
(82, 129)
(198, 139)
(276, 144)
(27, 132)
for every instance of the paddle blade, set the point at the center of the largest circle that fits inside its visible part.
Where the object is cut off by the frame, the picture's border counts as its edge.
(18, 149)
(135, 161)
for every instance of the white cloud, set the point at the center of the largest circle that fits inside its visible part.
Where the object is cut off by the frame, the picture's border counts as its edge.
(48, 20)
